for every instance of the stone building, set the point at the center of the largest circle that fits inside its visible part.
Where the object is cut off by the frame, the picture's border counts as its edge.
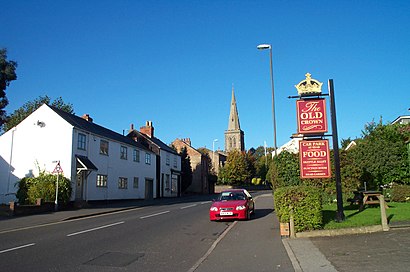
(234, 136)
(199, 165)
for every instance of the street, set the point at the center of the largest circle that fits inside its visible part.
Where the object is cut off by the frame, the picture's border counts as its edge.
(172, 237)
(157, 238)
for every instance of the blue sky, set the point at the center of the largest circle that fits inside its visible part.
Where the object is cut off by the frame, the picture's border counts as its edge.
(174, 62)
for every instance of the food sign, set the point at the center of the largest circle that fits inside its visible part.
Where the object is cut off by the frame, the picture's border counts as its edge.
(311, 115)
(314, 159)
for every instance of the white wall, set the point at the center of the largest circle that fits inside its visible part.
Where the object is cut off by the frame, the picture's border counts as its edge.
(114, 167)
(32, 146)
(166, 170)
(29, 147)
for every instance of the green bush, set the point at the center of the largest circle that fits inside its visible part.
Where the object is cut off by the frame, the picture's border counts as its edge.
(44, 187)
(400, 193)
(306, 203)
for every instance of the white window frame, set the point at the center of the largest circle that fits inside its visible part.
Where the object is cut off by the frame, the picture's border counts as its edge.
(122, 183)
(175, 162)
(81, 141)
(136, 155)
(147, 158)
(136, 183)
(102, 181)
(167, 160)
(103, 150)
(123, 152)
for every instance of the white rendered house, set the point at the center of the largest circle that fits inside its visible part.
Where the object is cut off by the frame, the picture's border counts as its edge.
(101, 164)
(168, 171)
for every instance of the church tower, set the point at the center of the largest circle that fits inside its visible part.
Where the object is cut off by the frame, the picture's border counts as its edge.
(234, 136)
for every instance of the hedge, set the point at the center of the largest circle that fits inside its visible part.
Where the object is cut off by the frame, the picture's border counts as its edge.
(306, 203)
(400, 193)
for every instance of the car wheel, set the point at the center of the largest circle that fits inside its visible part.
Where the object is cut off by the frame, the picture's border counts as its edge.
(248, 214)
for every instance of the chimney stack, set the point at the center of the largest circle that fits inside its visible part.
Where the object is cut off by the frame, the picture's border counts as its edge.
(87, 117)
(187, 141)
(148, 129)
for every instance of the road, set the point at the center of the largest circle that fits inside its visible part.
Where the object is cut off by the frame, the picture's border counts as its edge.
(154, 238)
(157, 238)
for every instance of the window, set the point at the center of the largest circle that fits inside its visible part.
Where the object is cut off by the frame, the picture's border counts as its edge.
(123, 152)
(175, 162)
(136, 182)
(136, 155)
(147, 158)
(101, 180)
(103, 147)
(167, 185)
(122, 183)
(81, 141)
(167, 159)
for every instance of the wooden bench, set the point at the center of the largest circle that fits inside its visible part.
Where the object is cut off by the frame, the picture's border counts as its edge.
(372, 198)
(363, 198)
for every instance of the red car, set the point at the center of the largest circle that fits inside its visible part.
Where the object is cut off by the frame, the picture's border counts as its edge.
(232, 204)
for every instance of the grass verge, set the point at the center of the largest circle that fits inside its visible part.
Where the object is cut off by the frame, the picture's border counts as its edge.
(369, 216)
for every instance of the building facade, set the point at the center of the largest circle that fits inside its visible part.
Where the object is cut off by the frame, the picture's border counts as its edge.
(168, 170)
(199, 164)
(101, 164)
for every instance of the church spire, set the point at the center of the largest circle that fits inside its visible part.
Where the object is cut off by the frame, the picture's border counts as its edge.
(234, 136)
(233, 123)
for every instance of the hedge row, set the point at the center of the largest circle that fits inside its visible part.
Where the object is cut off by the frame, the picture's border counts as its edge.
(400, 193)
(306, 204)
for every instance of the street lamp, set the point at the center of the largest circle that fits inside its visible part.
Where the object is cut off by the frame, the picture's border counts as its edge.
(213, 152)
(263, 47)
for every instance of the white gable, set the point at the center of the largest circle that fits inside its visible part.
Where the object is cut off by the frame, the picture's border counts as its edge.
(32, 146)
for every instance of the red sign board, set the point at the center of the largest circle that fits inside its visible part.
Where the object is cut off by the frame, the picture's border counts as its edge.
(311, 115)
(314, 159)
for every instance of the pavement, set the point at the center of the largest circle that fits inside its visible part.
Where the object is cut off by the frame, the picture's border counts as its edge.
(257, 246)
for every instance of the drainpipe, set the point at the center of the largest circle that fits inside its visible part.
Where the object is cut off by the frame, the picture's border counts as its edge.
(11, 159)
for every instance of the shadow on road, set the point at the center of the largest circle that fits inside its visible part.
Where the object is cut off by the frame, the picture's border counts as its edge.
(260, 213)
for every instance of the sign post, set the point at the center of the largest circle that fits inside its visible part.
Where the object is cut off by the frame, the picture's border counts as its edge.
(312, 125)
(339, 215)
(57, 170)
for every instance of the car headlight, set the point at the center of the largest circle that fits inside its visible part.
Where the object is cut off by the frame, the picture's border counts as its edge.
(240, 208)
(214, 209)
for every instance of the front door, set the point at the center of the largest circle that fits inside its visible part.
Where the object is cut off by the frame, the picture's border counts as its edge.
(149, 190)
(79, 186)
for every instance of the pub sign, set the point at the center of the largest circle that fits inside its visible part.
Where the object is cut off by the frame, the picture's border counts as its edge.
(314, 159)
(311, 115)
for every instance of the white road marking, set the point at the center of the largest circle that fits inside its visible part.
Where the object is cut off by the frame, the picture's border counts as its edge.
(16, 248)
(65, 220)
(205, 202)
(201, 260)
(155, 214)
(98, 228)
(189, 206)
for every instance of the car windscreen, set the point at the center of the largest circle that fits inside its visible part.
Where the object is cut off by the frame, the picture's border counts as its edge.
(231, 196)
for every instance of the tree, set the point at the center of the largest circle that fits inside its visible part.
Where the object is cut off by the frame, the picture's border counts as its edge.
(381, 157)
(7, 74)
(20, 114)
(235, 170)
(186, 175)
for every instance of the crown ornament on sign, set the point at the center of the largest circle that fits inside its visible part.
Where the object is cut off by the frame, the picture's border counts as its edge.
(309, 86)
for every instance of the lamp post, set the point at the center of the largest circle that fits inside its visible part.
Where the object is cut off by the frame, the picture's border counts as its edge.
(263, 47)
(213, 152)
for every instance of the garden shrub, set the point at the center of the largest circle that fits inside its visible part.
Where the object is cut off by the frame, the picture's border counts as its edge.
(44, 187)
(306, 203)
(400, 193)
